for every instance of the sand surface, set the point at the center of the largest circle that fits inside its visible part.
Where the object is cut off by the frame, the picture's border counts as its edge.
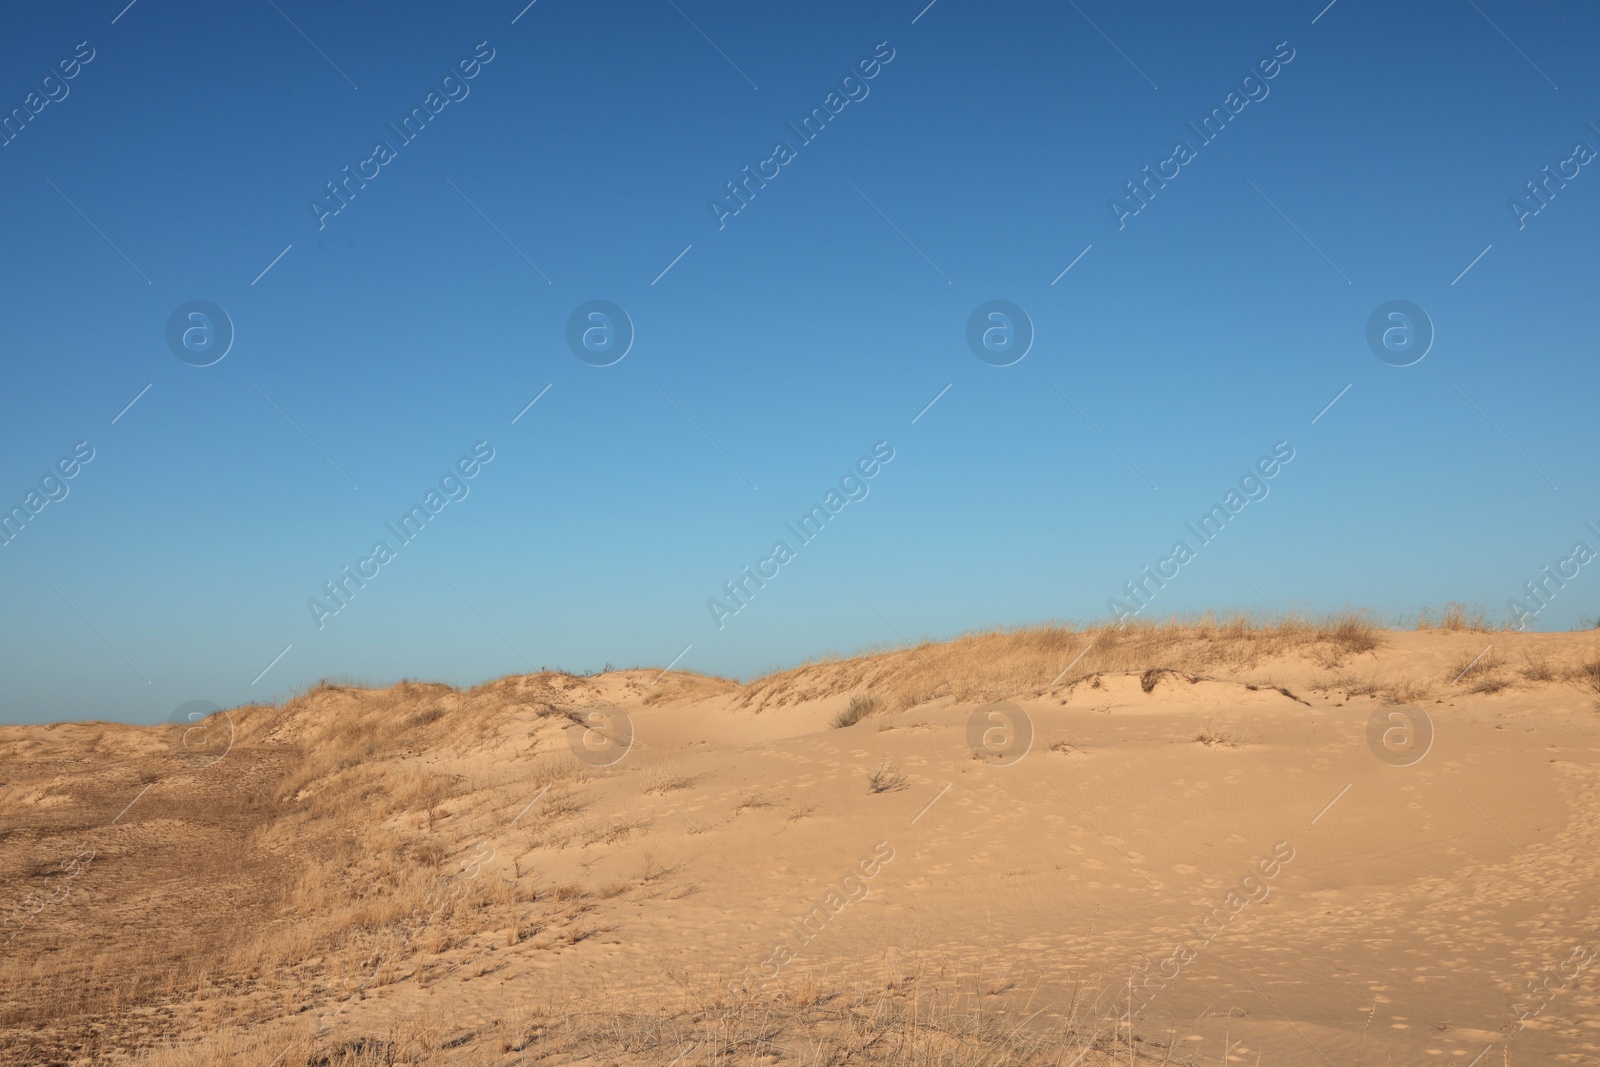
(1225, 854)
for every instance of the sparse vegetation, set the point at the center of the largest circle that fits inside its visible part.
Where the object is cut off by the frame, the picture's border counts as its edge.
(370, 839)
(1212, 737)
(1538, 669)
(861, 705)
(853, 1025)
(1589, 675)
(1456, 617)
(665, 778)
(1004, 663)
(887, 778)
(1405, 691)
(1486, 672)
(752, 802)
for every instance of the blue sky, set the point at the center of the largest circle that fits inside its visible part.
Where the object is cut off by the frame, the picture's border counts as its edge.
(770, 353)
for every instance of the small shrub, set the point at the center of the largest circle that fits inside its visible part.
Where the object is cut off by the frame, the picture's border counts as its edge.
(1354, 633)
(426, 716)
(1466, 668)
(861, 705)
(1490, 683)
(1538, 670)
(1406, 692)
(752, 800)
(1454, 617)
(1211, 737)
(1589, 675)
(886, 779)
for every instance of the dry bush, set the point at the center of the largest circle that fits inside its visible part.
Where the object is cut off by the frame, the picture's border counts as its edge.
(1588, 675)
(1483, 673)
(1405, 691)
(1538, 669)
(1456, 617)
(861, 705)
(886, 779)
(755, 801)
(1212, 737)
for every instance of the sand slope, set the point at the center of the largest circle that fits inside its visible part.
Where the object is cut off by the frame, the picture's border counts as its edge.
(1278, 891)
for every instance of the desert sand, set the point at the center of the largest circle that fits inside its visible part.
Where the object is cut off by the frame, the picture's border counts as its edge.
(1308, 843)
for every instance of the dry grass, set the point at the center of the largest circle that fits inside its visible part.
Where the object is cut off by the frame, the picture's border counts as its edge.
(886, 779)
(1212, 737)
(1458, 618)
(861, 705)
(1484, 673)
(895, 1024)
(1005, 663)
(1538, 669)
(752, 802)
(1588, 675)
(1405, 691)
(342, 846)
(362, 839)
(665, 778)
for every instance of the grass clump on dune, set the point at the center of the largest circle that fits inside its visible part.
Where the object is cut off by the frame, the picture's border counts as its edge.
(1002, 663)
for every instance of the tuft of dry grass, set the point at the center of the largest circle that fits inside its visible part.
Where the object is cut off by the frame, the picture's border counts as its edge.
(1538, 669)
(1405, 691)
(1483, 673)
(752, 801)
(665, 778)
(861, 705)
(1588, 675)
(1212, 737)
(886, 779)
(1456, 617)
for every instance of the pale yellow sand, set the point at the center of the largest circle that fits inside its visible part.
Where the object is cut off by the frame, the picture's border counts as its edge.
(1279, 892)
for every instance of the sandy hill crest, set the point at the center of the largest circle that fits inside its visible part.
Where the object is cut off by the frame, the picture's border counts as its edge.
(1014, 847)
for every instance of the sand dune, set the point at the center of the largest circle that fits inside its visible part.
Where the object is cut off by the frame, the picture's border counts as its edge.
(1201, 844)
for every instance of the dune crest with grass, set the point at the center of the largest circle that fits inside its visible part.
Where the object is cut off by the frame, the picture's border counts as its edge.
(1200, 841)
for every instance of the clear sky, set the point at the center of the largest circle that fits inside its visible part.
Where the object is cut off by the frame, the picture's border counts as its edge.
(564, 153)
